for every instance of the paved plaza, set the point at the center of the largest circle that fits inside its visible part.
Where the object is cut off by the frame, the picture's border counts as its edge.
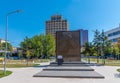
(25, 75)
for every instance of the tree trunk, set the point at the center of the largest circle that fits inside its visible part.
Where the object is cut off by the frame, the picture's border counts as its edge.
(27, 61)
(88, 58)
(104, 60)
(21, 61)
(97, 59)
(98, 56)
(33, 60)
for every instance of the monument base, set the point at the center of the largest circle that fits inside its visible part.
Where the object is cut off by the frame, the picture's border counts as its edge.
(71, 59)
(69, 70)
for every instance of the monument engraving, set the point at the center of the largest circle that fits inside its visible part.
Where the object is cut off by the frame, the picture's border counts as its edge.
(68, 45)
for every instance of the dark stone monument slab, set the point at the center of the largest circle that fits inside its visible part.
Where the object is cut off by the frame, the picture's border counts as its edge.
(68, 45)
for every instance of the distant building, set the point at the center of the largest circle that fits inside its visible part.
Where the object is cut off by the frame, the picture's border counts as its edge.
(19, 49)
(57, 23)
(3, 48)
(2, 41)
(113, 34)
(14, 50)
(83, 36)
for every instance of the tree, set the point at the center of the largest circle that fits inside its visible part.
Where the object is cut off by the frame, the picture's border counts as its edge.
(39, 45)
(26, 45)
(115, 51)
(20, 54)
(28, 55)
(0, 46)
(107, 47)
(101, 44)
(9, 47)
(88, 50)
(97, 43)
(102, 36)
(49, 45)
(118, 44)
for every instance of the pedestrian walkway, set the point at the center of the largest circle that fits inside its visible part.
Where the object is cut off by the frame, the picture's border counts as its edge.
(25, 75)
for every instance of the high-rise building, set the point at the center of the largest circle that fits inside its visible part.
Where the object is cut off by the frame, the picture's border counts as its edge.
(83, 36)
(57, 23)
(113, 34)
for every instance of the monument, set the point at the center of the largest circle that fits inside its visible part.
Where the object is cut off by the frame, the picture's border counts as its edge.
(68, 45)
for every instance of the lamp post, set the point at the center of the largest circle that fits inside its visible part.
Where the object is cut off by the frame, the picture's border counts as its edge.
(6, 36)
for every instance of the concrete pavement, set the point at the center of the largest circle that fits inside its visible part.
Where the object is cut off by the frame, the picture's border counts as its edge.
(25, 75)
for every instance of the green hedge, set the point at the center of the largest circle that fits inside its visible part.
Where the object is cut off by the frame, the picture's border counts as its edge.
(118, 70)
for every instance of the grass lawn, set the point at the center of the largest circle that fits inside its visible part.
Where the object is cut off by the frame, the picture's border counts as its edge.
(18, 65)
(118, 70)
(108, 62)
(112, 64)
(42, 60)
(23, 63)
(2, 73)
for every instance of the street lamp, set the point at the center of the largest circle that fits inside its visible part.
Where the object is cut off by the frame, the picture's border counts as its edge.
(6, 36)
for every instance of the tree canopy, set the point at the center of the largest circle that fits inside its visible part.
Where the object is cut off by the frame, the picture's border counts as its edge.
(39, 45)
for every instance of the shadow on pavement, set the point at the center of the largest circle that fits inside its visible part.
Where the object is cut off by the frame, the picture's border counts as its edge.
(41, 66)
(117, 75)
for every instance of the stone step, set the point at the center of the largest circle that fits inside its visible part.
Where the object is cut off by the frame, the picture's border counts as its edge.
(69, 74)
(78, 65)
(69, 63)
(68, 69)
(73, 64)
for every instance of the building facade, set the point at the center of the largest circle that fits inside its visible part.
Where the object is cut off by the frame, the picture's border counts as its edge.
(83, 36)
(113, 34)
(2, 41)
(57, 23)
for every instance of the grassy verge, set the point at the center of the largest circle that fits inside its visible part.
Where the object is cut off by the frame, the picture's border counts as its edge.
(108, 62)
(112, 64)
(18, 65)
(118, 70)
(42, 60)
(2, 73)
(23, 63)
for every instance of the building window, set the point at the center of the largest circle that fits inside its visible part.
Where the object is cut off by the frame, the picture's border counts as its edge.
(115, 40)
(114, 33)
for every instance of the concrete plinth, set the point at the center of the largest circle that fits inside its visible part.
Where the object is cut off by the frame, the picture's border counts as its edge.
(69, 70)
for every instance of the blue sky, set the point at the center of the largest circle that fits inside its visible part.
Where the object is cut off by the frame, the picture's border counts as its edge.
(81, 14)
